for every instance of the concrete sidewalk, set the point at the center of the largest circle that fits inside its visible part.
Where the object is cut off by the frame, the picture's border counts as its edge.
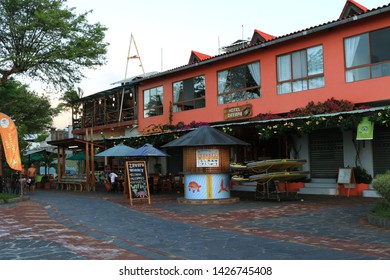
(71, 225)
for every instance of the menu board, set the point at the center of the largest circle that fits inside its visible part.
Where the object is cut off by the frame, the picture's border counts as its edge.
(137, 178)
(345, 176)
(207, 158)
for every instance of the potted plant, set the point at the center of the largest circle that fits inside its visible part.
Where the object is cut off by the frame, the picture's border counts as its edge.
(362, 178)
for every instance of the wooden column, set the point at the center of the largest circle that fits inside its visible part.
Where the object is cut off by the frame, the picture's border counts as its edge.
(87, 173)
(63, 161)
(59, 171)
(93, 181)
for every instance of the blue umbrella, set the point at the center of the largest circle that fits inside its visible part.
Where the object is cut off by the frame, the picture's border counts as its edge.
(147, 150)
(120, 150)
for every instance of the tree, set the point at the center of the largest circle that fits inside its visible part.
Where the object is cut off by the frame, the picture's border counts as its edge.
(31, 113)
(48, 41)
(68, 99)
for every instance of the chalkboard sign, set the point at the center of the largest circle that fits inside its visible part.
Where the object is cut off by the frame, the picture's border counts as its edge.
(346, 176)
(137, 178)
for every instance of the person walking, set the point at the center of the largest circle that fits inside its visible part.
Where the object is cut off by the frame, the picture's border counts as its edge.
(114, 181)
(31, 173)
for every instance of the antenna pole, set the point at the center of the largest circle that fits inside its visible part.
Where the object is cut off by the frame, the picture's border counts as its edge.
(124, 81)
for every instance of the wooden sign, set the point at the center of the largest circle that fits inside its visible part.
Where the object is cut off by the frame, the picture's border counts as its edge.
(238, 112)
(346, 176)
(137, 178)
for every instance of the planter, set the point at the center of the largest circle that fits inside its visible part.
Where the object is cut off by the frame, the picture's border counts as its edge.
(356, 191)
(378, 221)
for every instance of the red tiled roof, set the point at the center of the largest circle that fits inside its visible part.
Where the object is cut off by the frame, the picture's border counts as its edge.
(358, 5)
(201, 56)
(265, 35)
(277, 38)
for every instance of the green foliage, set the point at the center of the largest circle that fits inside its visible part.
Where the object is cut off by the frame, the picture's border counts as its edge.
(68, 99)
(48, 41)
(31, 112)
(361, 175)
(382, 210)
(381, 184)
(6, 196)
(26, 108)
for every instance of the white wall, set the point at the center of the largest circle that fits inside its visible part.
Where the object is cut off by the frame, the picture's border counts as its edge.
(358, 152)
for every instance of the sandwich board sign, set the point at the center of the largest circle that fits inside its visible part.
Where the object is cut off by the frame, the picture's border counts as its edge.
(137, 178)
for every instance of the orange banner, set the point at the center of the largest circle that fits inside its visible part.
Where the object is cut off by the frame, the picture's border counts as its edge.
(9, 137)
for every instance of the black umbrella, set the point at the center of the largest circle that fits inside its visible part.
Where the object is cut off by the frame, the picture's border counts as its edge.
(205, 136)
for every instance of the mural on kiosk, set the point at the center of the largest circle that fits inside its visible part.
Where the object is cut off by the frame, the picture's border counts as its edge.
(207, 186)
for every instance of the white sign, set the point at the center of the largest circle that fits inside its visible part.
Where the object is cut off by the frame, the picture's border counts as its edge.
(207, 158)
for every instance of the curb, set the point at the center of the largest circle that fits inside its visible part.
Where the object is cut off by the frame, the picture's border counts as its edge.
(14, 200)
(378, 221)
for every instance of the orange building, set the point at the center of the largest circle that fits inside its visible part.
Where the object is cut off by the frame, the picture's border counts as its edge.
(298, 95)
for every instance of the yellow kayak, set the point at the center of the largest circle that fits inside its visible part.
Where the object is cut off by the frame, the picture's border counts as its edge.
(282, 176)
(274, 165)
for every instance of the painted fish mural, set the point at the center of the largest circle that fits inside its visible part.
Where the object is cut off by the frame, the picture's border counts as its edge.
(194, 187)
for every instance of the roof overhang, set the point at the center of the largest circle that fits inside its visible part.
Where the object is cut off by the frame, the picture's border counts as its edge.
(73, 143)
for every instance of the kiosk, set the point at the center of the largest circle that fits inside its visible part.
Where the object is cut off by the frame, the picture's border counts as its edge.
(206, 165)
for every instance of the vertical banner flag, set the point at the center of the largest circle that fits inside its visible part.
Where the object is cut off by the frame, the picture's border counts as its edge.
(365, 130)
(9, 137)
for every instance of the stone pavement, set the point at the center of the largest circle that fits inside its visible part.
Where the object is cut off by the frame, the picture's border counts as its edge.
(68, 225)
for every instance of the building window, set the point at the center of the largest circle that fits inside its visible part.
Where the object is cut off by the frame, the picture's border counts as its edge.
(367, 55)
(301, 70)
(189, 94)
(239, 83)
(153, 102)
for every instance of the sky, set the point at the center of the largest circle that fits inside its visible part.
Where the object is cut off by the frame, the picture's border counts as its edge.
(166, 31)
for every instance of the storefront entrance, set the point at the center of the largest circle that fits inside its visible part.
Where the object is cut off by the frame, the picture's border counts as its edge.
(326, 153)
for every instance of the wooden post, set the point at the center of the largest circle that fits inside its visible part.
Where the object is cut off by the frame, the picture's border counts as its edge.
(59, 171)
(87, 160)
(63, 161)
(93, 180)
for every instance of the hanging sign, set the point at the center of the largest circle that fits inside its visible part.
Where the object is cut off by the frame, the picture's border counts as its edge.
(137, 178)
(207, 158)
(365, 130)
(237, 112)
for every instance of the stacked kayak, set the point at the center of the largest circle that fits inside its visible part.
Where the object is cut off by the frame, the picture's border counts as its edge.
(268, 170)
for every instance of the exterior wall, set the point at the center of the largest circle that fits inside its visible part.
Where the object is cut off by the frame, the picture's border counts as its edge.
(270, 102)
(364, 148)
(302, 145)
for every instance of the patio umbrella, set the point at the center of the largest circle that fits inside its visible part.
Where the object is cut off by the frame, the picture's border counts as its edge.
(147, 150)
(205, 136)
(120, 150)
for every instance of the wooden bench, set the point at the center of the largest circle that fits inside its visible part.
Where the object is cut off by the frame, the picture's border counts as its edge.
(75, 182)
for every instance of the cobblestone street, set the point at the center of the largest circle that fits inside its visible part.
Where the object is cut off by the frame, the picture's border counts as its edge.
(93, 226)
